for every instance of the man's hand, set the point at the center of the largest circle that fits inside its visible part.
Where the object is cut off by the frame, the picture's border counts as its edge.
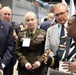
(72, 65)
(45, 56)
(63, 66)
(15, 35)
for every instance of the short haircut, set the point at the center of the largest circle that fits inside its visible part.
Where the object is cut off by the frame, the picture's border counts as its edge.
(61, 4)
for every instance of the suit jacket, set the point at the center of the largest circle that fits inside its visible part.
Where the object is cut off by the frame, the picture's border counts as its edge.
(45, 25)
(15, 27)
(52, 39)
(64, 40)
(6, 44)
(32, 53)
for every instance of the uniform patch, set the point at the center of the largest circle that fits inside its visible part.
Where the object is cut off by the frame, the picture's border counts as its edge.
(40, 36)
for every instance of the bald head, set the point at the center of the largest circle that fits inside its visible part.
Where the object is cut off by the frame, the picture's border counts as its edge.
(60, 5)
(51, 16)
(61, 13)
(6, 14)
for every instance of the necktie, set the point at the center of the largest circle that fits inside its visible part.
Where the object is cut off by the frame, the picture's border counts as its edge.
(62, 31)
(31, 35)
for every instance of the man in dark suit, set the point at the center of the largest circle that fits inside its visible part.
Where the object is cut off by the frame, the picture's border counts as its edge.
(6, 47)
(68, 46)
(6, 15)
(46, 24)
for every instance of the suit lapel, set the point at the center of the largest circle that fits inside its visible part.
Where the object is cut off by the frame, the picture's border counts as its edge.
(57, 34)
(64, 41)
(67, 50)
(68, 41)
(1, 28)
(72, 54)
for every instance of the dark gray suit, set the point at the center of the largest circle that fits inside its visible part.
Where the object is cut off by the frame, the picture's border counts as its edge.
(6, 46)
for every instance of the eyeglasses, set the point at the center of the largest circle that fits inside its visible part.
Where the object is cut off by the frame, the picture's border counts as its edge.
(60, 14)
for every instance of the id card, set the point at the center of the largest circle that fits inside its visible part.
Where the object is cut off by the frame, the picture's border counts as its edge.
(26, 42)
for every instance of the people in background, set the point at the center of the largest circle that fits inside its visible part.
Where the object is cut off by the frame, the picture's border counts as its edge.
(45, 19)
(22, 27)
(30, 47)
(46, 24)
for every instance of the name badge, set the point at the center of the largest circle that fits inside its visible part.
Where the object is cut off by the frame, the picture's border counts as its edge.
(26, 42)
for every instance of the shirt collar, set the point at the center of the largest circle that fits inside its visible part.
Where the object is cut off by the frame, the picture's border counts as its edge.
(65, 25)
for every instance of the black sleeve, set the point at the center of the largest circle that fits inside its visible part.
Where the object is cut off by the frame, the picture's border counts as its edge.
(53, 62)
